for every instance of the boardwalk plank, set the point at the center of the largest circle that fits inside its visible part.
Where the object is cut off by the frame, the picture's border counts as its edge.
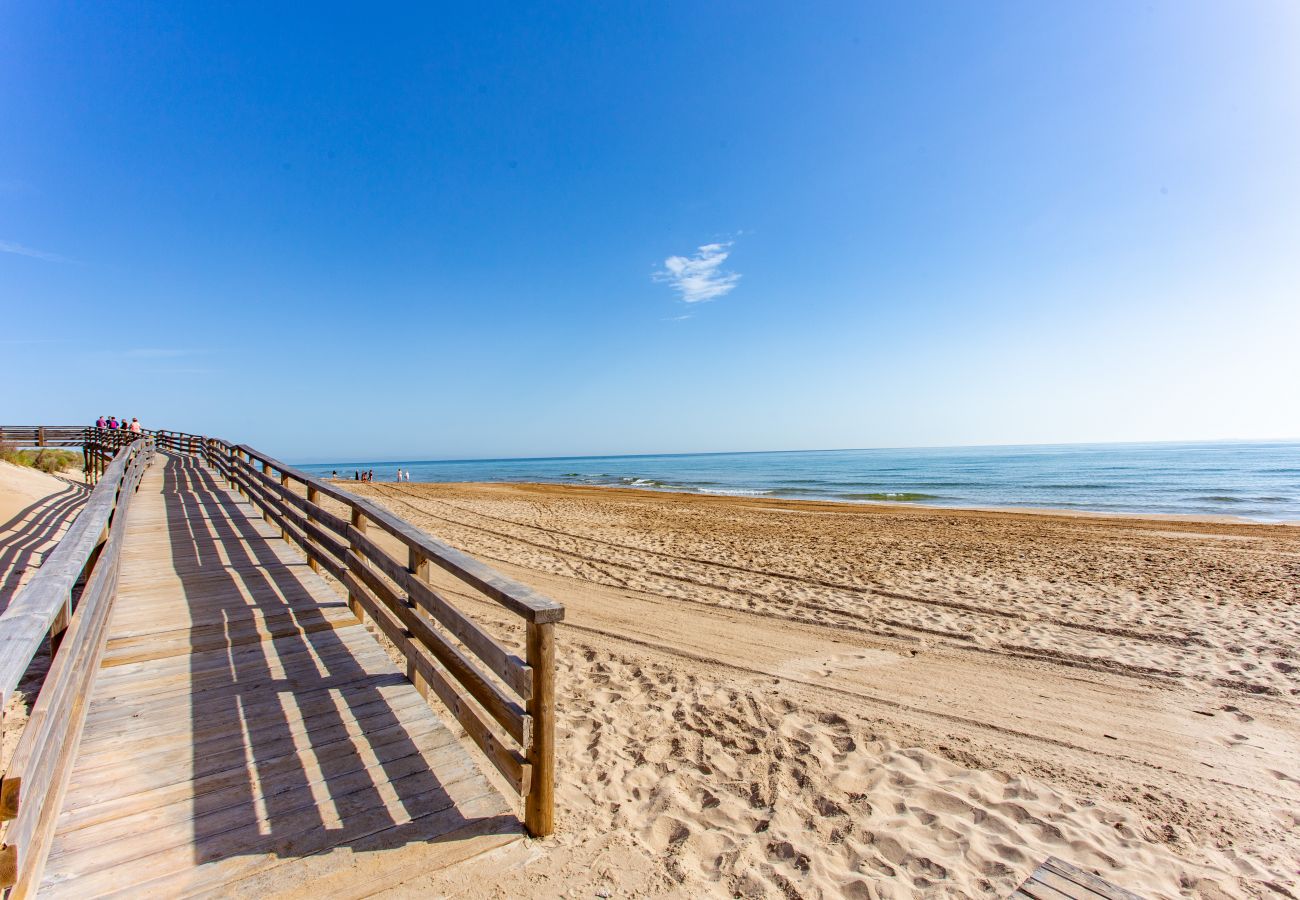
(246, 733)
(1057, 879)
(105, 807)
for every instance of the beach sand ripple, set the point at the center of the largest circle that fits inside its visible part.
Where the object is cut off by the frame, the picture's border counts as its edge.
(764, 698)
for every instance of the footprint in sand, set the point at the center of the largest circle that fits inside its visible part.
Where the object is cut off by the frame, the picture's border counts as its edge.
(825, 665)
(1241, 716)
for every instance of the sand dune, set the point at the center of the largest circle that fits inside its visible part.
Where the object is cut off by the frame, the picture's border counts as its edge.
(812, 700)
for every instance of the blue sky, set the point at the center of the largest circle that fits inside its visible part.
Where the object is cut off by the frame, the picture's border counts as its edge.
(475, 230)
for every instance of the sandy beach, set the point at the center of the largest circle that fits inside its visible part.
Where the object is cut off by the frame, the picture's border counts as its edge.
(800, 699)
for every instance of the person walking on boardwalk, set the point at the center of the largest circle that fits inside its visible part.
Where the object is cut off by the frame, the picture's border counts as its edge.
(101, 422)
(112, 422)
(135, 425)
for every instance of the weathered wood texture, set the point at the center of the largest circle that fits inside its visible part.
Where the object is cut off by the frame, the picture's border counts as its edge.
(246, 735)
(504, 704)
(28, 618)
(34, 781)
(35, 436)
(1057, 879)
(492, 692)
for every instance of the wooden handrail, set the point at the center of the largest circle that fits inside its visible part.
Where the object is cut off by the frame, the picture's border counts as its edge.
(518, 598)
(32, 785)
(27, 620)
(33, 436)
(505, 704)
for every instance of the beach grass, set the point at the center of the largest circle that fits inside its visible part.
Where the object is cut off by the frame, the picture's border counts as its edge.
(45, 460)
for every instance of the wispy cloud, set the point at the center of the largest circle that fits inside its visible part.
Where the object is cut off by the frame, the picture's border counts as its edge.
(20, 250)
(157, 352)
(700, 277)
(185, 370)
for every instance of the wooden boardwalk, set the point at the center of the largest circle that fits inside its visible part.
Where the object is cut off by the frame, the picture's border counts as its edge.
(1057, 879)
(246, 735)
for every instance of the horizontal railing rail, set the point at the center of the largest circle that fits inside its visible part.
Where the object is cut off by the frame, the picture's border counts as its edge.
(33, 436)
(505, 704)
(69, 599)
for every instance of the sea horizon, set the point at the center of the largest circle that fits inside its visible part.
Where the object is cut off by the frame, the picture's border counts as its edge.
(1253, 480)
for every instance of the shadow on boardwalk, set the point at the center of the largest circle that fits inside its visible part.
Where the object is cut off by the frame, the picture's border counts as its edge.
(321, 737)
(329, 758)
(32, 533)
(25, 540)
(247, 736)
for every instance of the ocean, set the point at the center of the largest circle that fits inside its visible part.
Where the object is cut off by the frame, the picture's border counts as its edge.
(1257, 481)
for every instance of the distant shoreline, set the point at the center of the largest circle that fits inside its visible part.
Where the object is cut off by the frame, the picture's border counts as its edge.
(1248, 482)
(847, 505)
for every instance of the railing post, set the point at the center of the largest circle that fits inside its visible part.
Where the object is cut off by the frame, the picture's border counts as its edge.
(313, 496)
(539, 806)
(417, 564)
(358, 521)
(266, 514)
(284, 483)
(62, 619)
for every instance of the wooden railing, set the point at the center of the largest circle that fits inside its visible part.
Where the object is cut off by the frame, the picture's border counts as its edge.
(69, 599)
(20, 436)
(99, 445)
(505, 704)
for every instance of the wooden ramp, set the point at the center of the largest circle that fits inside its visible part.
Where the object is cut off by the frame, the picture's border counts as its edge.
(1057, 879)
(246, 735)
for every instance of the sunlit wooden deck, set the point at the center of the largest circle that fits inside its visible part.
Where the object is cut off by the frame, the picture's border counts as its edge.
(246, 735)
